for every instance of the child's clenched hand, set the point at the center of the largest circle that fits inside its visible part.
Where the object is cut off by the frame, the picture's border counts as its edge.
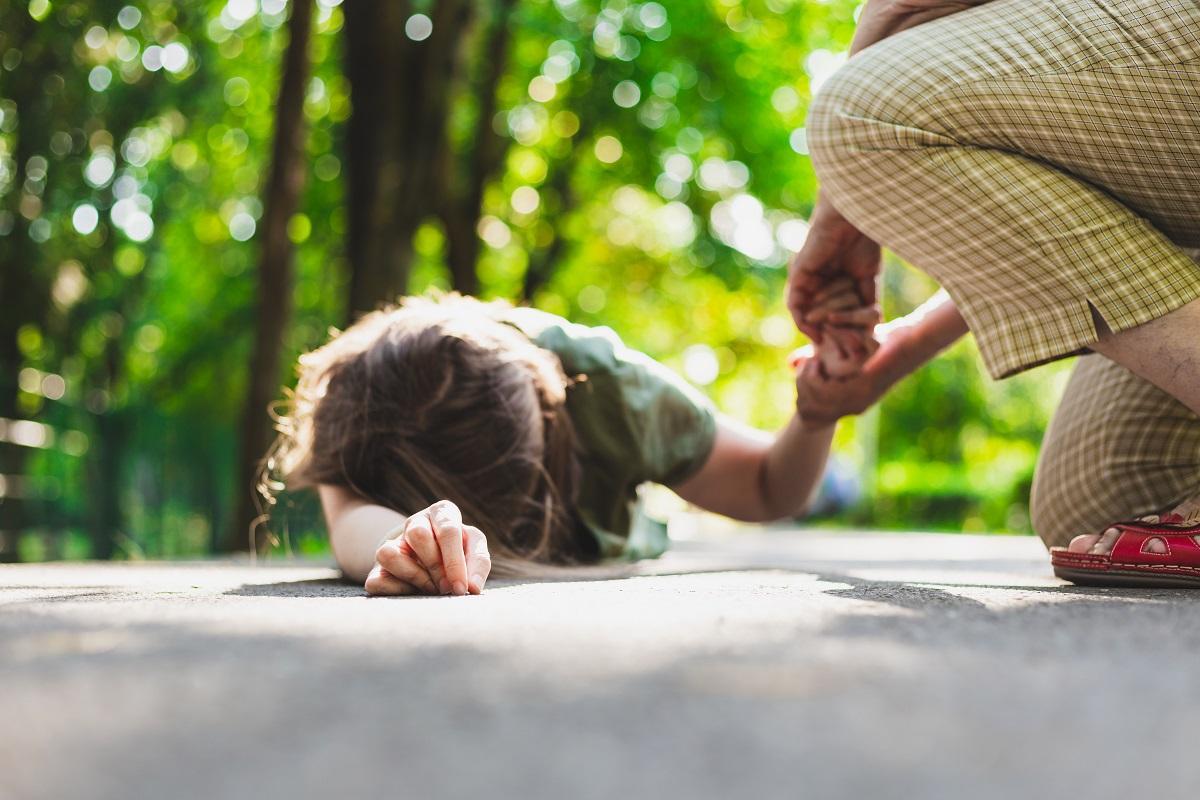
(434, 554)
(844, 329)
(821, 399)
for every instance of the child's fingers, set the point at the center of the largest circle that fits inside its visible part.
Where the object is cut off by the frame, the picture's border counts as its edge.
(851, 342)
(479, 560)
(380, 582)
(865, 316)
(398, 563)
(843, 301)
(419, 538)
(448, 531)
(831, 287)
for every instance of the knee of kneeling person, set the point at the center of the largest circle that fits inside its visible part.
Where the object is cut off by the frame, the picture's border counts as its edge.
(866, 106)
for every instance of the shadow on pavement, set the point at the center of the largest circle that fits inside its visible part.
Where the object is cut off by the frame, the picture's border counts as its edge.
(313, 587)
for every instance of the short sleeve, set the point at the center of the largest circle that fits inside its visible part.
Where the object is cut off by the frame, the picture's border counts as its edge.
(635, 421)
(630, 411)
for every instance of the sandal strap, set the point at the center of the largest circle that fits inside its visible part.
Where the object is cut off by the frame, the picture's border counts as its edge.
(1181, 546)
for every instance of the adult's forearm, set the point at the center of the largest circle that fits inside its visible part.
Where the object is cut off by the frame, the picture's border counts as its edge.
(883, 18)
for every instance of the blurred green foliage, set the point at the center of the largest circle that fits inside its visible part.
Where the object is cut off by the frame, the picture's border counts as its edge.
(662, 143)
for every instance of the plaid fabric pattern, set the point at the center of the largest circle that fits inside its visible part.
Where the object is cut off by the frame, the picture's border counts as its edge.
(1118, 448)
(1039, 158)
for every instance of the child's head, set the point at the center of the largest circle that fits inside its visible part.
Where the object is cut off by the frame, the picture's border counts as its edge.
(437, 400)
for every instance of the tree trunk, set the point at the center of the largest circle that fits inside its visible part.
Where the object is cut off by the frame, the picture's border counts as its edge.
(22, 289)
(275, 276)
(462, 209)
(400, 90)
(543, 262)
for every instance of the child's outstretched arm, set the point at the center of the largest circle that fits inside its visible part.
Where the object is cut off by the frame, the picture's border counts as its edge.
(753, 476)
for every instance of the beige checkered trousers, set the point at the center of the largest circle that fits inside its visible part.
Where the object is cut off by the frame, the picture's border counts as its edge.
(1042, 161)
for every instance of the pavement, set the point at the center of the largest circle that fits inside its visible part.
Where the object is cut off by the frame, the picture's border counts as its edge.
(772, 664)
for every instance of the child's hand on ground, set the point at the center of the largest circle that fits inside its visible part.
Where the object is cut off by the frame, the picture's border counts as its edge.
(435, 553)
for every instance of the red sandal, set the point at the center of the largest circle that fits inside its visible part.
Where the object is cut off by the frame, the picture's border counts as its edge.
(1130, 564)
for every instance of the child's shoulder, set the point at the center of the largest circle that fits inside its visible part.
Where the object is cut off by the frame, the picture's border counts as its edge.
(581, 348)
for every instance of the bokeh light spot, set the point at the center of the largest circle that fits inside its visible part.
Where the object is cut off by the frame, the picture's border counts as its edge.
(700, 364)
(85, 218)
(626, 94)
(128, 17)
(100, 78)
(418, 27)
(242, 226)
(525, 200)
(608, 149)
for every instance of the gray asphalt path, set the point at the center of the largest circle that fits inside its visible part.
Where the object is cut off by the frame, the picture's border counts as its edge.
(775, 664)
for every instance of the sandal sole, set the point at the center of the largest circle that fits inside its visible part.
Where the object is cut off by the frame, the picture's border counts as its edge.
(1126, 579)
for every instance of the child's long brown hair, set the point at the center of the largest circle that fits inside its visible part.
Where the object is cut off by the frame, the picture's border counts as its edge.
(435, 399)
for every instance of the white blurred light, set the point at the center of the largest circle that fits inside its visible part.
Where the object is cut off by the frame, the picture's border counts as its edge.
(85, 218)
(95, 37)
(27, 433)
(740, 223)
(560, 66)
(128, 17)
(242, 226)
(139, 226)
(418, 27)
(626, 94)
(667, 187)
(542, 89)
(652, 15)
(700, 364)
(53, 386)
(675, 225)
(799, 141)
(152, 58)
(820, 65)
(494, 232)
(791, 234)
(69, 285)
(99, 169)
(679, 167)
(241, 10)
(525, 200)
(99, 78)
(124, 187)
(175, 57)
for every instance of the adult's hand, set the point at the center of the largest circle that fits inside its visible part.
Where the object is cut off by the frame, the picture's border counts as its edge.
(822, 399)
(434, 554)
(882, 18)
(833, 249)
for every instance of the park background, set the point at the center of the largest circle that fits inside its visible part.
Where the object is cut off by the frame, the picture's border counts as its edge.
(194, 193)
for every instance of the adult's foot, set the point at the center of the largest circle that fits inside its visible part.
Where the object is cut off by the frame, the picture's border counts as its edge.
(1102, 543)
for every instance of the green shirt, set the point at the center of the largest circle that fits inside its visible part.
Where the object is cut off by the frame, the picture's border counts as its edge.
(636, 421)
